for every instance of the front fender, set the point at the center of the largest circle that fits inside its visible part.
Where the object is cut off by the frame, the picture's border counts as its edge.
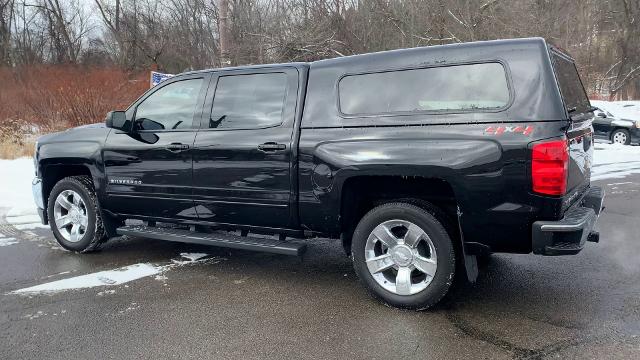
(75, 147)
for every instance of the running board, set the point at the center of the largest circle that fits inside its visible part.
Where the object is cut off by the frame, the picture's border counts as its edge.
(222, 239)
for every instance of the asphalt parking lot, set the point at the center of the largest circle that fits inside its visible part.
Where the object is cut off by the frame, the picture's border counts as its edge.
(237, 304)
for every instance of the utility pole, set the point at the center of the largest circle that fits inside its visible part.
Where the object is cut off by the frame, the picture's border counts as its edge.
(225, 35)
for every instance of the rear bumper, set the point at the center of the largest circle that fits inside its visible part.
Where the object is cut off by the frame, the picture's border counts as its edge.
(568, 235)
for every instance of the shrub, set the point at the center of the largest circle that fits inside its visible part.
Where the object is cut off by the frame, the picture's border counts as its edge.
(48, 98)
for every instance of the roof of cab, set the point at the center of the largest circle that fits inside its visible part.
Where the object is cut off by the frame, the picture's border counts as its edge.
(247, 67)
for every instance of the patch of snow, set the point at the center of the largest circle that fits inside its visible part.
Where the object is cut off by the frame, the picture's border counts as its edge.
(117, 276)
(6, 241)
(25, 218)
(58, 274)
(614, 161)
(36, 315)
(131, 307)
(30, 226)
(106, 292)
(15, 186)
(193, 256)
(102, 278)
(15, 192)
(620, 109)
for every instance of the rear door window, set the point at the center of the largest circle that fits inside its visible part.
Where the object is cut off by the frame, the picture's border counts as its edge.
(456, 88)
(573, 94)
(249, 101)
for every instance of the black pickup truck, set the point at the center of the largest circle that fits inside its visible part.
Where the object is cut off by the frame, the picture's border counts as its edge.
(420, 160)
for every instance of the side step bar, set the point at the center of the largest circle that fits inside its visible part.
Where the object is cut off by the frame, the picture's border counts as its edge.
(222, 239)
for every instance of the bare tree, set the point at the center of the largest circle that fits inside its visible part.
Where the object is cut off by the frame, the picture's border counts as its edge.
(67, 27)
(176, 35)
(223, 28)
(6, 17)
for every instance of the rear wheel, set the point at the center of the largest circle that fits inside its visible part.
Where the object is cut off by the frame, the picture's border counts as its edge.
(74, 215)
(621, 136)
(403, 255)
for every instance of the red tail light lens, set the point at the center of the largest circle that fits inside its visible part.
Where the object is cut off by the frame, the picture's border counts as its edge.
(549, 167)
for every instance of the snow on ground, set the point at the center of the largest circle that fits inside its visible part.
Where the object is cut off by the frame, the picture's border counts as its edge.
(102, 278)
(615, 161)
(118, 276)
(15, 193)
(620, 109)
(5, 241)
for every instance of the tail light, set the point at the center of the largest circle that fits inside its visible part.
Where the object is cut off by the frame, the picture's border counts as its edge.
(549, 167)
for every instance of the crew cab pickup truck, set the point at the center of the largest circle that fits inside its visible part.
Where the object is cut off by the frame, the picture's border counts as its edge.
(419, 160)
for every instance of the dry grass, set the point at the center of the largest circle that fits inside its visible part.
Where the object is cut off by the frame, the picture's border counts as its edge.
(9, 150)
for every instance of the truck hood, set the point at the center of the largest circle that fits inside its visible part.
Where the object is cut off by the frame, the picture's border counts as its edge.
(78, 133)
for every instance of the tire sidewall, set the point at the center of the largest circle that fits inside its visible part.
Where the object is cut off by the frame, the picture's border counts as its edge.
(625, 132)
(445, 270)
(72, 184)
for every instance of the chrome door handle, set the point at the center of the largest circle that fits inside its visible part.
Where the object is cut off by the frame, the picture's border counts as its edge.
(271, 146)
(177, 147)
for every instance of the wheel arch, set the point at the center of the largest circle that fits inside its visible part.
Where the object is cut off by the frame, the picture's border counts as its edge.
(360, 194)
(53, 172)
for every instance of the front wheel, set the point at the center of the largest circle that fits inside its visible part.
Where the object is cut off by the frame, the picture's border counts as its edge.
(74, 215)
(621, 136)
(404, 255)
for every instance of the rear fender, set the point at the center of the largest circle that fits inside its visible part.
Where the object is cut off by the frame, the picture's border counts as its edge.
(454, 161)
(458, 162)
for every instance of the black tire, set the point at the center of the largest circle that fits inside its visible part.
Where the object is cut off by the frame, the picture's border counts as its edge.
(427, 218)
(95, 233)
(627, 140)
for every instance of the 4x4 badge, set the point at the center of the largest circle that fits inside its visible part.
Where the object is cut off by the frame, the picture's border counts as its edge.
(499, 130)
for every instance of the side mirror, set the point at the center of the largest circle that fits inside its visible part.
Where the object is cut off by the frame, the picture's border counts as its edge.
(117, 120)
(602, 115)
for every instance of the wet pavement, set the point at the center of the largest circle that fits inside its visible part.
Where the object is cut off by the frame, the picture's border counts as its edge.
(238, 304)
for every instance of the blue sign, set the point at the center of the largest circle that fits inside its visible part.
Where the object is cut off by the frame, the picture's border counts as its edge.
(157, 78)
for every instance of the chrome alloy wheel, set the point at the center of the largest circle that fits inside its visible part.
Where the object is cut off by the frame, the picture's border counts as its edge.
(70, 214)
(620, 138)
(401, 257)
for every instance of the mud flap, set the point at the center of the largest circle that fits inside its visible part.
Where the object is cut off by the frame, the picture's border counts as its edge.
(110, 223)
(470, 261)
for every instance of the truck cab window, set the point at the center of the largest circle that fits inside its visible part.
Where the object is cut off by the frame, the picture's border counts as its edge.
(171, 107)
(249, 101)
